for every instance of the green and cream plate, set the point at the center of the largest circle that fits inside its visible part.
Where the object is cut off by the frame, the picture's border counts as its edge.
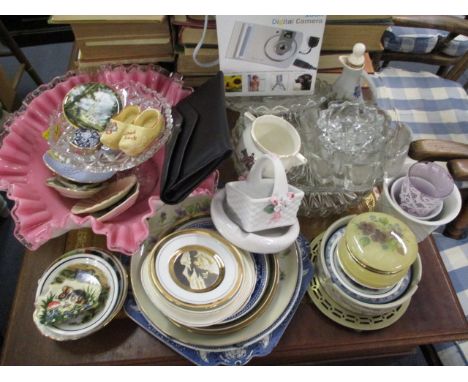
(91, 106)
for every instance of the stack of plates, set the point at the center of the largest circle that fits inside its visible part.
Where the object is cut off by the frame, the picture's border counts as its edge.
(79, 293)
(361, 303)
(235, 307)
(198, 279)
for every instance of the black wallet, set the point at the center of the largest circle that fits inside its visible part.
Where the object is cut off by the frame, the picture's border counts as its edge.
(199, 143)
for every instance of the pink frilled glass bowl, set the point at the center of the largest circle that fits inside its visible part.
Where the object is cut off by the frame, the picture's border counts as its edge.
(39, 212)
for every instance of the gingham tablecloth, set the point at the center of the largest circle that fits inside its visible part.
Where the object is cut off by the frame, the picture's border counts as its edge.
(433, 108)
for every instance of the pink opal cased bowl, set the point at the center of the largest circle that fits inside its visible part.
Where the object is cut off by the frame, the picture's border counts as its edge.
(41, 213)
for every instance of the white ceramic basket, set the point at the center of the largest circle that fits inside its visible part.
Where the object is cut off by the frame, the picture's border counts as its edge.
(259, 204)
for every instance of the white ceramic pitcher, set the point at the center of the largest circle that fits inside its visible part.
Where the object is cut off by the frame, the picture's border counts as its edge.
(269, 134)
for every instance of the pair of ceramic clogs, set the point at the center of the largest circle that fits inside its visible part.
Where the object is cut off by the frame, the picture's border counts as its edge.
(134, 131)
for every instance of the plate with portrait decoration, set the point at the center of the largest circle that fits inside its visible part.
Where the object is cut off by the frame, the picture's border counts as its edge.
(196, 269)
(206, 317)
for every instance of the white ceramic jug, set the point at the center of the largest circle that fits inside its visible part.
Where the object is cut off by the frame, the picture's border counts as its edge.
(269, 134)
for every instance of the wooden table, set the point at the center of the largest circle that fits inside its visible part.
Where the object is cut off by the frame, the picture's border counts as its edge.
(434, 316)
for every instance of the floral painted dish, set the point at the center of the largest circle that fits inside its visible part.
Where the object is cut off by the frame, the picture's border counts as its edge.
(340, 314)
(354, 289)
(40, 214)
(107, 197)
(85, 141)
(91, 105)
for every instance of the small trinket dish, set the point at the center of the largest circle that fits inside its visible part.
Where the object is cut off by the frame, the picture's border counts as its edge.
(91, 105)
(79, 293)
(74, 190)
(107, 197)
(85, 141)
(261, 204)
(75, 174)
(377, 250)
(119, 207)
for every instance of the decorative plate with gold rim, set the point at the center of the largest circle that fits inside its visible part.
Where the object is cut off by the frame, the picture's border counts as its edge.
(205, 317)
(196, 269)
(66, 272)
(267, 272)
(91, 105)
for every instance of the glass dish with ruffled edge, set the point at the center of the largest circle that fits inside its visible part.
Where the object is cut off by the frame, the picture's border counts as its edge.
(23, 175)
(105, 159)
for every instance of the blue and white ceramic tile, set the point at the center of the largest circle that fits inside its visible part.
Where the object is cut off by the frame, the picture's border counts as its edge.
(372, 296)
(263, 346)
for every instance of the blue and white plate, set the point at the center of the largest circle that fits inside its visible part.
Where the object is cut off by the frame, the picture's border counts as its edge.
(238, 348)
(73, 173)
(351, 287)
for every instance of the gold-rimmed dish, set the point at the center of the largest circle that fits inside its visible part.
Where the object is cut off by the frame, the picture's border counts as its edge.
(65, 271)
(209, 268)
(91, 105)
(206, 317)
(260, 306)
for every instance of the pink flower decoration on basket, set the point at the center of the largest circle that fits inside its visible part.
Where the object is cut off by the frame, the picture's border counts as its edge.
(40, 213)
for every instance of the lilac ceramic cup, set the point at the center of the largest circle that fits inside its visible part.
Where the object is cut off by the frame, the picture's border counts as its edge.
(425, 188)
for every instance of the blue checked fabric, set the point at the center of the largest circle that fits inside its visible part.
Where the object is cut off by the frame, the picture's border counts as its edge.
(433, 108)
(421, 41)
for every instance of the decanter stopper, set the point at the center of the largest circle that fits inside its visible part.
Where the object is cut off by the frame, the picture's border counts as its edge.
(348, 84)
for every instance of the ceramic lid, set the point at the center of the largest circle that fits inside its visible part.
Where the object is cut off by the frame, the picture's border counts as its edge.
(381, 242)
(91, 105)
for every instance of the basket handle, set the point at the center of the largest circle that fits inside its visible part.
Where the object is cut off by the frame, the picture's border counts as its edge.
(280, 185)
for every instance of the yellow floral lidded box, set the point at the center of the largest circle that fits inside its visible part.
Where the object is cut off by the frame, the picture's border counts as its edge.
(377, 249)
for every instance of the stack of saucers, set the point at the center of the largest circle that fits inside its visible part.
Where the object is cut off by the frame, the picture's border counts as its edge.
(201, 281)
(369, 266)
(79, 293)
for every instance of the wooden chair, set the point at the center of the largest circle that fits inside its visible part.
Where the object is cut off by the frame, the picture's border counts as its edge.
(456, 155)
(9, 47)
(450, 67)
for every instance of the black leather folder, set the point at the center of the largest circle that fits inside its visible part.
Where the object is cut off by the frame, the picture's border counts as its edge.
(200, 141)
